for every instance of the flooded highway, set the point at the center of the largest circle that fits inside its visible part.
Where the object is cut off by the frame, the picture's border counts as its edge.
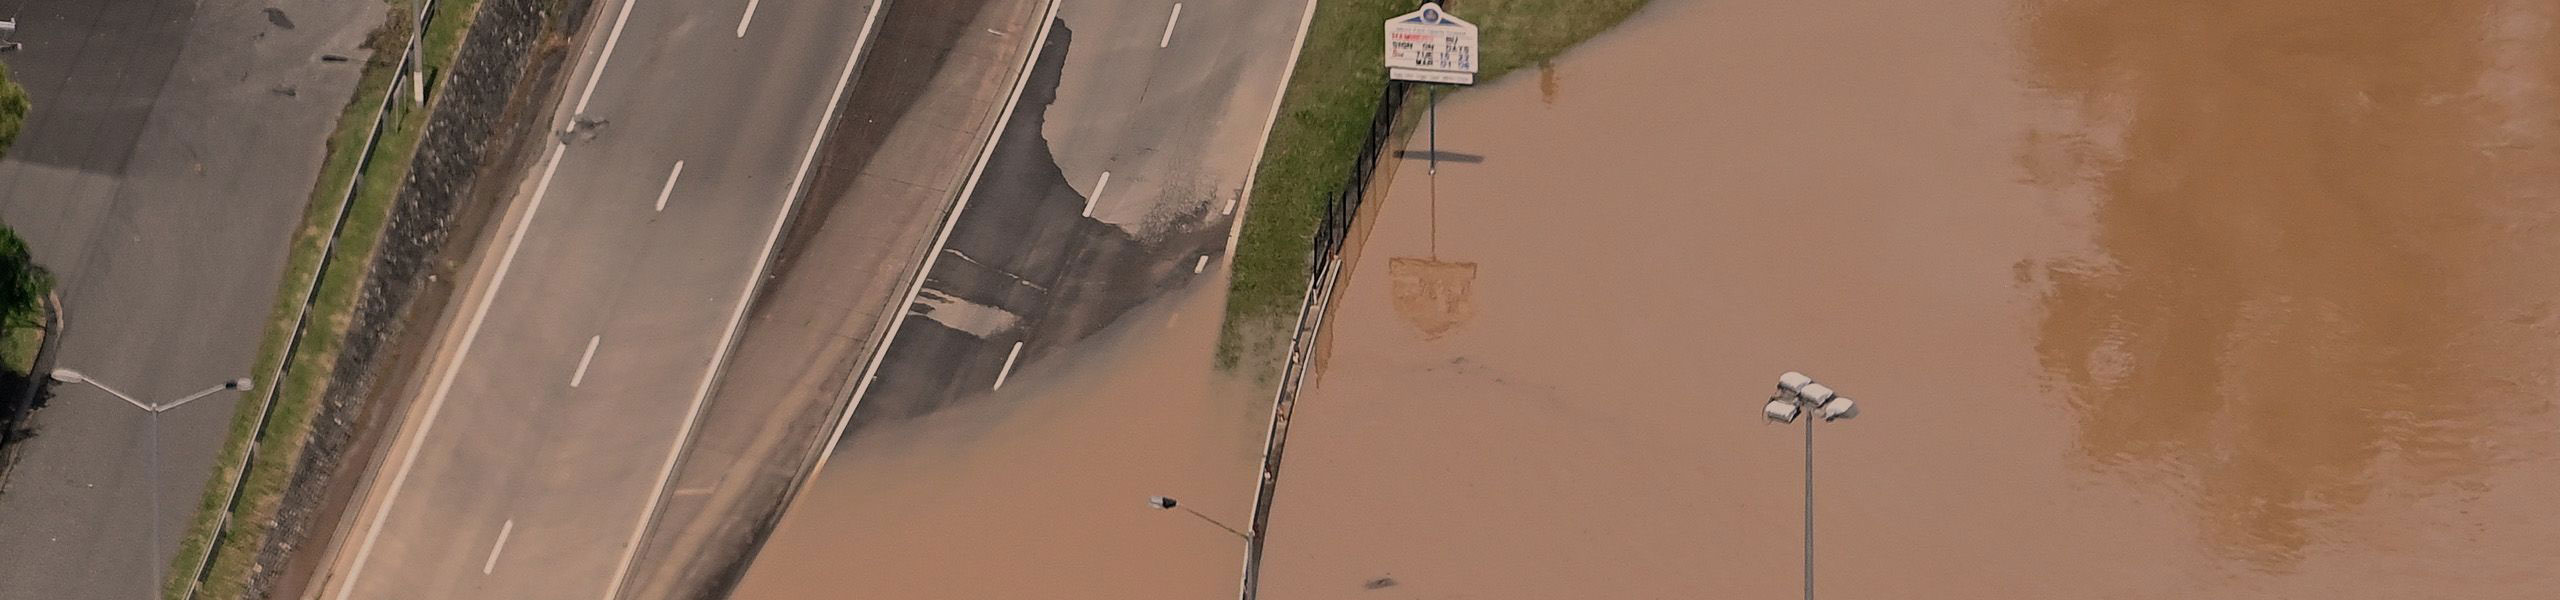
(2141, 299)
(1040, 489)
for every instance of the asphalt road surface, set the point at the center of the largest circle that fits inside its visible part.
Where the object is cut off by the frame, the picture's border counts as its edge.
(171, 151)
(1112, 184)
(542, 437)
(922, 111)
(1109, 190)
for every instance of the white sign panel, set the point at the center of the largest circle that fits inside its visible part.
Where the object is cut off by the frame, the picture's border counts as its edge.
(1431, 46)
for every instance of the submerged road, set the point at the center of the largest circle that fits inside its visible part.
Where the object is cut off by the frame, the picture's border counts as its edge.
(552, 416)
(1114, 181)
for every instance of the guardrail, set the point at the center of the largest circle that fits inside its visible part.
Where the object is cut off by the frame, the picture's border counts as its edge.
(1331, 235)
(302, 318)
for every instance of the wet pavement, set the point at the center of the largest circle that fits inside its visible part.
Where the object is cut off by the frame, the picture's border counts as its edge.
(2141, 299)
(1060, 371)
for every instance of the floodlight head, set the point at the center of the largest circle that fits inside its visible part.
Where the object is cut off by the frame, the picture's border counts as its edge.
(1816, 394)
(1839, 408)
(68, 376)
(1160, 502)
(241, 384)
(1793, 382)
(1781, 411)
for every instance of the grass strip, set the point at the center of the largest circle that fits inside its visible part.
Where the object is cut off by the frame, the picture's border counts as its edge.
(18, 349)
(1323, 117)
(377, 181)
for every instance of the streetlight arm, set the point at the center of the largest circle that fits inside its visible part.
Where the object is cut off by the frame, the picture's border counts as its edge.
(112, 391)
(1247, 537)
(198, 395)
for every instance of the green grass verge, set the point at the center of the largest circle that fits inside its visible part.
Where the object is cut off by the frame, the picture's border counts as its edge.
(18, 349)
(378, 184)
(23, 287)
(1323, 116)
(13, 110)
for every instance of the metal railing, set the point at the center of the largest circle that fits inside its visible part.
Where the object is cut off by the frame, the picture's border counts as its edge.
(1325, 266)
(408, 68)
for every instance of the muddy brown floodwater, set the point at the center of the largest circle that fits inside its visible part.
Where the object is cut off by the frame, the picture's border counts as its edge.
(2142, 299)
(1040, 490)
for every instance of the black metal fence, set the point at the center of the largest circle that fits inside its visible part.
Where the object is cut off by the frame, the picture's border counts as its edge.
(1325, 264)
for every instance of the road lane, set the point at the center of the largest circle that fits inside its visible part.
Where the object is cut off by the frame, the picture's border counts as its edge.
(1168, 133)
(170, 153)
(574, 469)
(936, 83)
(1025, 281)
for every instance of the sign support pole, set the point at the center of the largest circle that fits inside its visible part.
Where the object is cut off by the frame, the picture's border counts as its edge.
(1430, 46)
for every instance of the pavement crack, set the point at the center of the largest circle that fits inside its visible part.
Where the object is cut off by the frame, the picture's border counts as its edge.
(1016, 278)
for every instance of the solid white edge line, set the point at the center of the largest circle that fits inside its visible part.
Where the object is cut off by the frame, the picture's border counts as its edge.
(610, 39)
(738, 315)
(750, 16)
(1008, 365)
(1096, 196)
(501, 546)
(435, 403)
(670, 188)
(1244, 197)
(444, 385)
(872, 371)
(589, 357)
(1168, 26)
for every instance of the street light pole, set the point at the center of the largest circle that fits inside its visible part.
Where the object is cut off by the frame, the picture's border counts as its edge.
(1798, 394)
(151, 439)
(1166, 503)
(70, 376)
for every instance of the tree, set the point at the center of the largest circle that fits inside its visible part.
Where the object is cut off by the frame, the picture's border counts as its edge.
(22, 283)
(13, 109)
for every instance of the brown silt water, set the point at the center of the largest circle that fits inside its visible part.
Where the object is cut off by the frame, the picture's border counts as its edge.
(1041, 489)
(2141, 299)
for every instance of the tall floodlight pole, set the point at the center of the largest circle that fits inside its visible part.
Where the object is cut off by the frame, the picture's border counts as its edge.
(1798, 394)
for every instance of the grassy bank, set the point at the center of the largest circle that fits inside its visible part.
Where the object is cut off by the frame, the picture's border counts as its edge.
(1323, 116)
(23, 286)
(377, 180)
(13, 110)
(18, 349)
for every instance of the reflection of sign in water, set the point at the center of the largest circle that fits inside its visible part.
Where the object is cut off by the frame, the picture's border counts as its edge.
(1434, 296)
(1431, 46)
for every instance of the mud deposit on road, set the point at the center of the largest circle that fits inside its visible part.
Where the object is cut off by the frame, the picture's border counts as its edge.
(2142, 299)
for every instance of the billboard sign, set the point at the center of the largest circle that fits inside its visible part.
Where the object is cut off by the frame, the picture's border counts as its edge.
(1431, 46)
